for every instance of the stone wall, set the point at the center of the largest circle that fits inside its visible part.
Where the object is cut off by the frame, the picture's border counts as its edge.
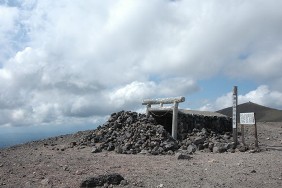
(187, 121)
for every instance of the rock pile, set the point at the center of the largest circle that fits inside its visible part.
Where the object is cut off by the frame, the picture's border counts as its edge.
(132, 133)
(208, 140)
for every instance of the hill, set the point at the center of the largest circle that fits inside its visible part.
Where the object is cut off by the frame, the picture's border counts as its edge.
(263, 113)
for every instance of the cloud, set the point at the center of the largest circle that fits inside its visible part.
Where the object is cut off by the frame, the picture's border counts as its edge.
(78, 61)
(262, 95)
(8, 17)
(133, 93)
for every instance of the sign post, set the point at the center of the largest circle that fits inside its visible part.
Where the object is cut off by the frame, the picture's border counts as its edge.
(248, 119)
(234, 114)
(256, 132)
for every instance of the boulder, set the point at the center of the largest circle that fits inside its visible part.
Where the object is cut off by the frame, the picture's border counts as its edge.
(219, 148)
(242, 148)
(96, 150)
(180, 156)
(199, 140)
(191, 149)
(100, 180)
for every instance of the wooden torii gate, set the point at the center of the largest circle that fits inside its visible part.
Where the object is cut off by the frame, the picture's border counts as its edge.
(161, 102)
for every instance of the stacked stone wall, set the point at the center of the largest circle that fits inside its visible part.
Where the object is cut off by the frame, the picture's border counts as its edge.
(188, 122)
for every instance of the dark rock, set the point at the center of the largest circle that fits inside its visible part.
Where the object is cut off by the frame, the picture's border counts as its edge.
(118, 149)
(231, 150)
(45, 182)
(182, 156)
(206, 145)
(170, 152)
(219, 148)
(170, 146)
(204, 131)
(211, 145)
(232, 145)
(242, 148)
(123, 183)
(110, 147)
(129, 120)
(183, 147)
(100, 180)
(201, 147)
(191, 149)
(96, 150)
(226, 137)
(72, 144)
(199, 140)
(143, 151)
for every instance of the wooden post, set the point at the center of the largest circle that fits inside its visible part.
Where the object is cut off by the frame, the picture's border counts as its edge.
(256, 132)
(243, 134)
(174, 120)
(234, 117)
(249, 119)
(148, 110)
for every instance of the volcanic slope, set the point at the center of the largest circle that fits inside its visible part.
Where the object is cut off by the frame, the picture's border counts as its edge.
(263, 113)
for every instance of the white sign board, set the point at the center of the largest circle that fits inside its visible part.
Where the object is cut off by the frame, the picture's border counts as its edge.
(247, 118)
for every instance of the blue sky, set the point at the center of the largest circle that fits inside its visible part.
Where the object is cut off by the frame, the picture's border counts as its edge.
(75, 62)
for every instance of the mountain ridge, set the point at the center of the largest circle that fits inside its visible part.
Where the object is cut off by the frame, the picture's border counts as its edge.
(263, 113)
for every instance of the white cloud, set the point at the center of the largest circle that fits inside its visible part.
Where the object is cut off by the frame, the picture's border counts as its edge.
(132, 94)
(8, 17)
(79, 60)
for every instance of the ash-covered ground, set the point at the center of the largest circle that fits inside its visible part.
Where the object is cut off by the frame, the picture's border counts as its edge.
(144, 154)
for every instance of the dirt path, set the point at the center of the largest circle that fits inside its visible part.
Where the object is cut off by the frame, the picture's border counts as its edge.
(50, 163)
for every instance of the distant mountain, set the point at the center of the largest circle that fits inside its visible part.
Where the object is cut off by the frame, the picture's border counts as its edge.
(263, 113)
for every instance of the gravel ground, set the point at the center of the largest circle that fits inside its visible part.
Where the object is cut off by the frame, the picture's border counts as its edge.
(52, 163)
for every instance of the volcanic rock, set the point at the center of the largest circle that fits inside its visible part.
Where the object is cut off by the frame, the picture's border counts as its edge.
(100, 180)
(191, 148)
(128, 132)
(182, 156)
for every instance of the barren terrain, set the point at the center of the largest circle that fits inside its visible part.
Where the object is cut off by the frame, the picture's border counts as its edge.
(52, 163)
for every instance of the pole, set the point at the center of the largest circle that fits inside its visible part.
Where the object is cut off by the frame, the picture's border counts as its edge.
(243, 134)
(234, 115)
(148, 110)
(174, 120)
(256, 132)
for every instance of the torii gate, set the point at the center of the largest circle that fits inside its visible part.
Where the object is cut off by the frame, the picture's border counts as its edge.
(174, 109)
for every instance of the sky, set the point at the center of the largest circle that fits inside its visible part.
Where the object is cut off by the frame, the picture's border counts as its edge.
(75, 62)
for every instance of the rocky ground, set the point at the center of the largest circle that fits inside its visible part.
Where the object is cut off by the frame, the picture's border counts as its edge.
(67, 161)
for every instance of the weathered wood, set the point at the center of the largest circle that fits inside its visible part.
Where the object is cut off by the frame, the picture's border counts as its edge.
(243, 134)
(234, 116)
(163, 100)
(159, 109)
(256, 132)
(147, 110)
(174, 120)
